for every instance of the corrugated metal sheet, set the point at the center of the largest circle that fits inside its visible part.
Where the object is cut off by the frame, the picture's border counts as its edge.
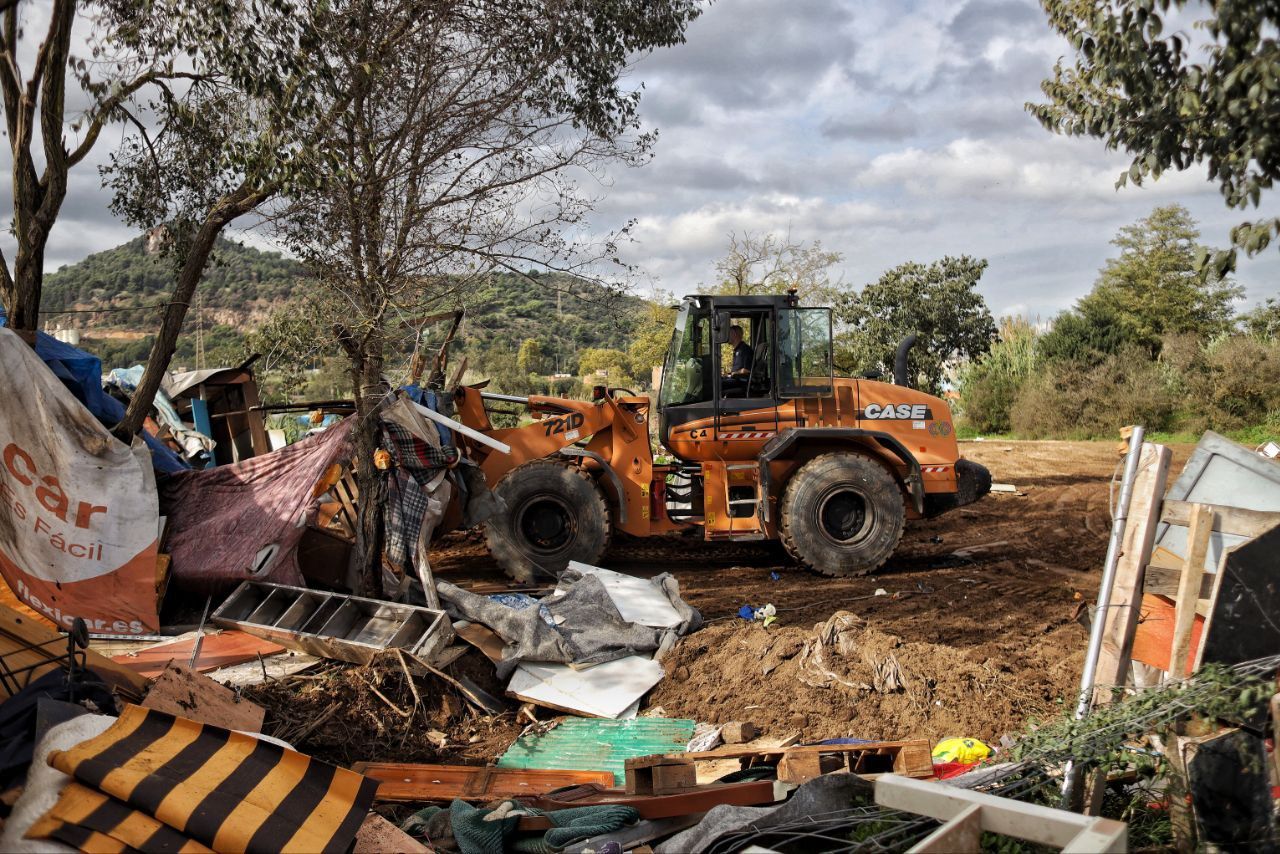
(591, 744)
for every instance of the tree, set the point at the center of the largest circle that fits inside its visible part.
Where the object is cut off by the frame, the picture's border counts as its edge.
(457, 140)
(595, 359)
(649, 342)
(770, 264)
(1205, 95)
(121, 66)
(938, 300)
(247, 127)
(529, 359)
(1262, 322)
(1150, 290)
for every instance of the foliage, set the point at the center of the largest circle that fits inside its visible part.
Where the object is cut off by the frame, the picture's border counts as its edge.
(1069, 400)
(772, 264)
(530, 357)
(1209, 94)
(614, 364)
(240, 283)
(989, 385)
(1152, 286)
(938, 300)
(1263, 321)
(1084, 335)
(651, 336)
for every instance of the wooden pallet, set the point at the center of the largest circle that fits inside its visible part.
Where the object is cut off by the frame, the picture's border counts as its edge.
(797, 764)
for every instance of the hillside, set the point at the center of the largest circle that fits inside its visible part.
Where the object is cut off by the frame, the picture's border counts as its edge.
(109, 293)
(241, 285)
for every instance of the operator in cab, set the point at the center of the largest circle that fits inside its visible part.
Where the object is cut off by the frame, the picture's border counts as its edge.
(735, 382)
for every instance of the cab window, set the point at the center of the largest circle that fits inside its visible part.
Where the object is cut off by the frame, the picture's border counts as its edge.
(686, 375)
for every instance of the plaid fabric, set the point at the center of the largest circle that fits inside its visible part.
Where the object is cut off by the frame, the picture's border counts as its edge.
(158, 783)
(412, 454)
(417, 464)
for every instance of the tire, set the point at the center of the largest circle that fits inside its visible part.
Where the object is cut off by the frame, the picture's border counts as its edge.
(554, 514)
(842, 514)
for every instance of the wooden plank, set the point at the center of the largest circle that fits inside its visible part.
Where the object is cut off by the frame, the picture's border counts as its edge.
(379, 836)
(962, 834)
(1226, 520)
(1198, 529)
(1032, 822)
(1103, 836)
(1166, 581)
(1153, 641)
(411, 782)
(180, 691)
(1121, 618)
(217, 650)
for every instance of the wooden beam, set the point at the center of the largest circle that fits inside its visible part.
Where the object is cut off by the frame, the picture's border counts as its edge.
(1035, 823)
(1199, 527)
(1126, 592)
(408, 782)
(1163, 581)
(1227, 520)
(961, 835)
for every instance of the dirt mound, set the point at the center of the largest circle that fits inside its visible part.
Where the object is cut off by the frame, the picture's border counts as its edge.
(845, 677)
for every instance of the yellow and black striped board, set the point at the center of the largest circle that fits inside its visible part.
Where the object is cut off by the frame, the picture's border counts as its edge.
(158, 783)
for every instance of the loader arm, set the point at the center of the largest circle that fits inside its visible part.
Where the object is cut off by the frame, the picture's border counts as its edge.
(561, 422)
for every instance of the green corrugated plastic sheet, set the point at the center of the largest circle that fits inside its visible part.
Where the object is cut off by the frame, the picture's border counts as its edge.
(591, 744)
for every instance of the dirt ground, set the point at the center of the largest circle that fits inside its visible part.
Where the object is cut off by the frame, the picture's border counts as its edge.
(974, 632)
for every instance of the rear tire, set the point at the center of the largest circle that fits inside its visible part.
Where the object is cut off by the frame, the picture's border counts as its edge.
(842, 514)
(555, 513)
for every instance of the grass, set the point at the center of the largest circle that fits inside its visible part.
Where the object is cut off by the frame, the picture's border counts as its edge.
(1250, 437)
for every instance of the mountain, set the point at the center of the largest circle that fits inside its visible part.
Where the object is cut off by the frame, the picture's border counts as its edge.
(241, 286)
(109, 297)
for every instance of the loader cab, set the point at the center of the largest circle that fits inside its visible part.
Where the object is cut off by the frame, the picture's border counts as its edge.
(789, 351)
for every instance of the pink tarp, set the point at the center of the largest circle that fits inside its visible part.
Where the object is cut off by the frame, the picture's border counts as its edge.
(243, 521)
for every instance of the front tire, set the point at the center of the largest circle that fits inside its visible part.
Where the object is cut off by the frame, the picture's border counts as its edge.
(842, 514)
(555, 513)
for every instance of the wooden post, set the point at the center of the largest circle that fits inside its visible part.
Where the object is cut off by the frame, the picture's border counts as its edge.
(1198, 531)
(1126, 593)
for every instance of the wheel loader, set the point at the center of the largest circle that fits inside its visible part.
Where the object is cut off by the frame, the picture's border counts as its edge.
(832, 467)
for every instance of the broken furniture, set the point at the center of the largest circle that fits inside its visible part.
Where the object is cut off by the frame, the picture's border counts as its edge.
(798, 764)
(660, 775)
(222, 403)
(968, 814)
(333, 625)
(30, 648)
(414, 783)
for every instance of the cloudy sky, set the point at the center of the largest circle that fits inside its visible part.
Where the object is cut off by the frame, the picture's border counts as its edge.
(891, 130)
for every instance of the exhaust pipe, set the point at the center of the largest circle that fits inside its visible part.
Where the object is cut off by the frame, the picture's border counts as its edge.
(900, 360)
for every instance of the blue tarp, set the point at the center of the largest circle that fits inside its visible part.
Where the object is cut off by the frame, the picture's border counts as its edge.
(81, 373)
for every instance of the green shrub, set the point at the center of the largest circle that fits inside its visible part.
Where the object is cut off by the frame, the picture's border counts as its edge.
(1068, 400)
(990, 385)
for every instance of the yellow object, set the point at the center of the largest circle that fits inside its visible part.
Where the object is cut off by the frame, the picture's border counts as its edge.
(966, 751)
(381, 459)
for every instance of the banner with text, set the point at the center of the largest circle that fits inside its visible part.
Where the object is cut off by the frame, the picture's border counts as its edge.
(78, 508)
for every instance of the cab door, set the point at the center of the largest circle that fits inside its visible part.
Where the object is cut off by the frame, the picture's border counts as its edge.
(746, 413)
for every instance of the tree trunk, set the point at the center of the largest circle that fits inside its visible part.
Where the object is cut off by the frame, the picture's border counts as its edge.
(366, 375)
(175, 313)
